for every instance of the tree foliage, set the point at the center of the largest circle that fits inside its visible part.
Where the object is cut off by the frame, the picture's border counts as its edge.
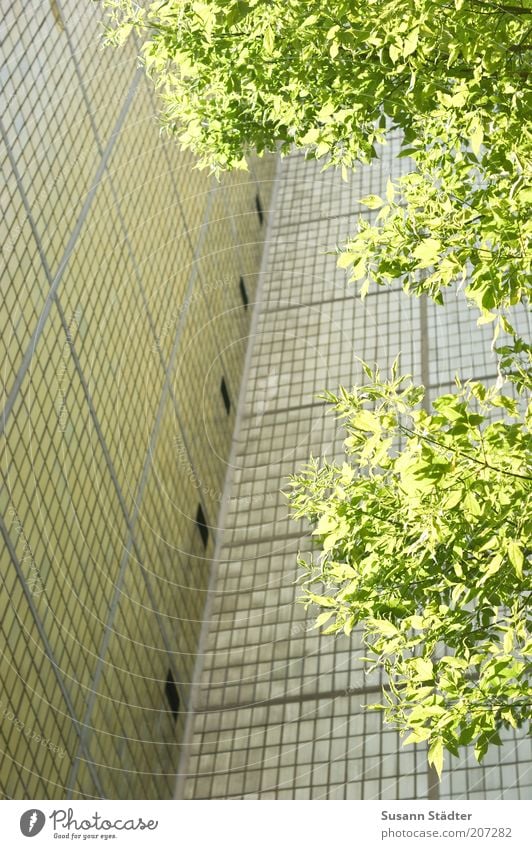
(425, 536)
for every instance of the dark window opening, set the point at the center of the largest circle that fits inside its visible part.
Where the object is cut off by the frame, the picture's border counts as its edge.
(225, 396)
(172, 694)
(201, 522)
(259, 209)
(244, 293)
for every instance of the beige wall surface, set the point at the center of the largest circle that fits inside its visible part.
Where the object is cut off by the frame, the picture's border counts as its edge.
(121, 312)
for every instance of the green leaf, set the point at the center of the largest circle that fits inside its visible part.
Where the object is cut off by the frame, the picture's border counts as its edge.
(366, 420)
(387, 629)
(433, 521)
(345, 259)
(349, 625)
(493, 567)
(411, 41)
(417, 736)
(476, 138)
(322, 149)
(326, 112)
(471, 504)
(453, 499)
(312, 136)
(486, 318)
(508, 642)
(326, 524)
(364, 289)
(269, 40)
(332, 32)
(359, 270)
(395, 52)
(427, 252)
(323, 618)
(424, 669)
(322, 600)
(466, 735)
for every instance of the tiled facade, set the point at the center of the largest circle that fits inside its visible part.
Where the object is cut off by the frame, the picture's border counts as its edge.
(278, 706)
(124, 285)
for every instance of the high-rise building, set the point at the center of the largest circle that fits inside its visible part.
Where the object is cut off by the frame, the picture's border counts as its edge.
(164, 338)
(127, 288)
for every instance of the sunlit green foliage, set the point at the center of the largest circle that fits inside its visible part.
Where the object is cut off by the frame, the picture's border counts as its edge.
(236, 75)
(426, 535)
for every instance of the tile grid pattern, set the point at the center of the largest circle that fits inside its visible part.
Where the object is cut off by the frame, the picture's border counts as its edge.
(279, 708)
(121, 313)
